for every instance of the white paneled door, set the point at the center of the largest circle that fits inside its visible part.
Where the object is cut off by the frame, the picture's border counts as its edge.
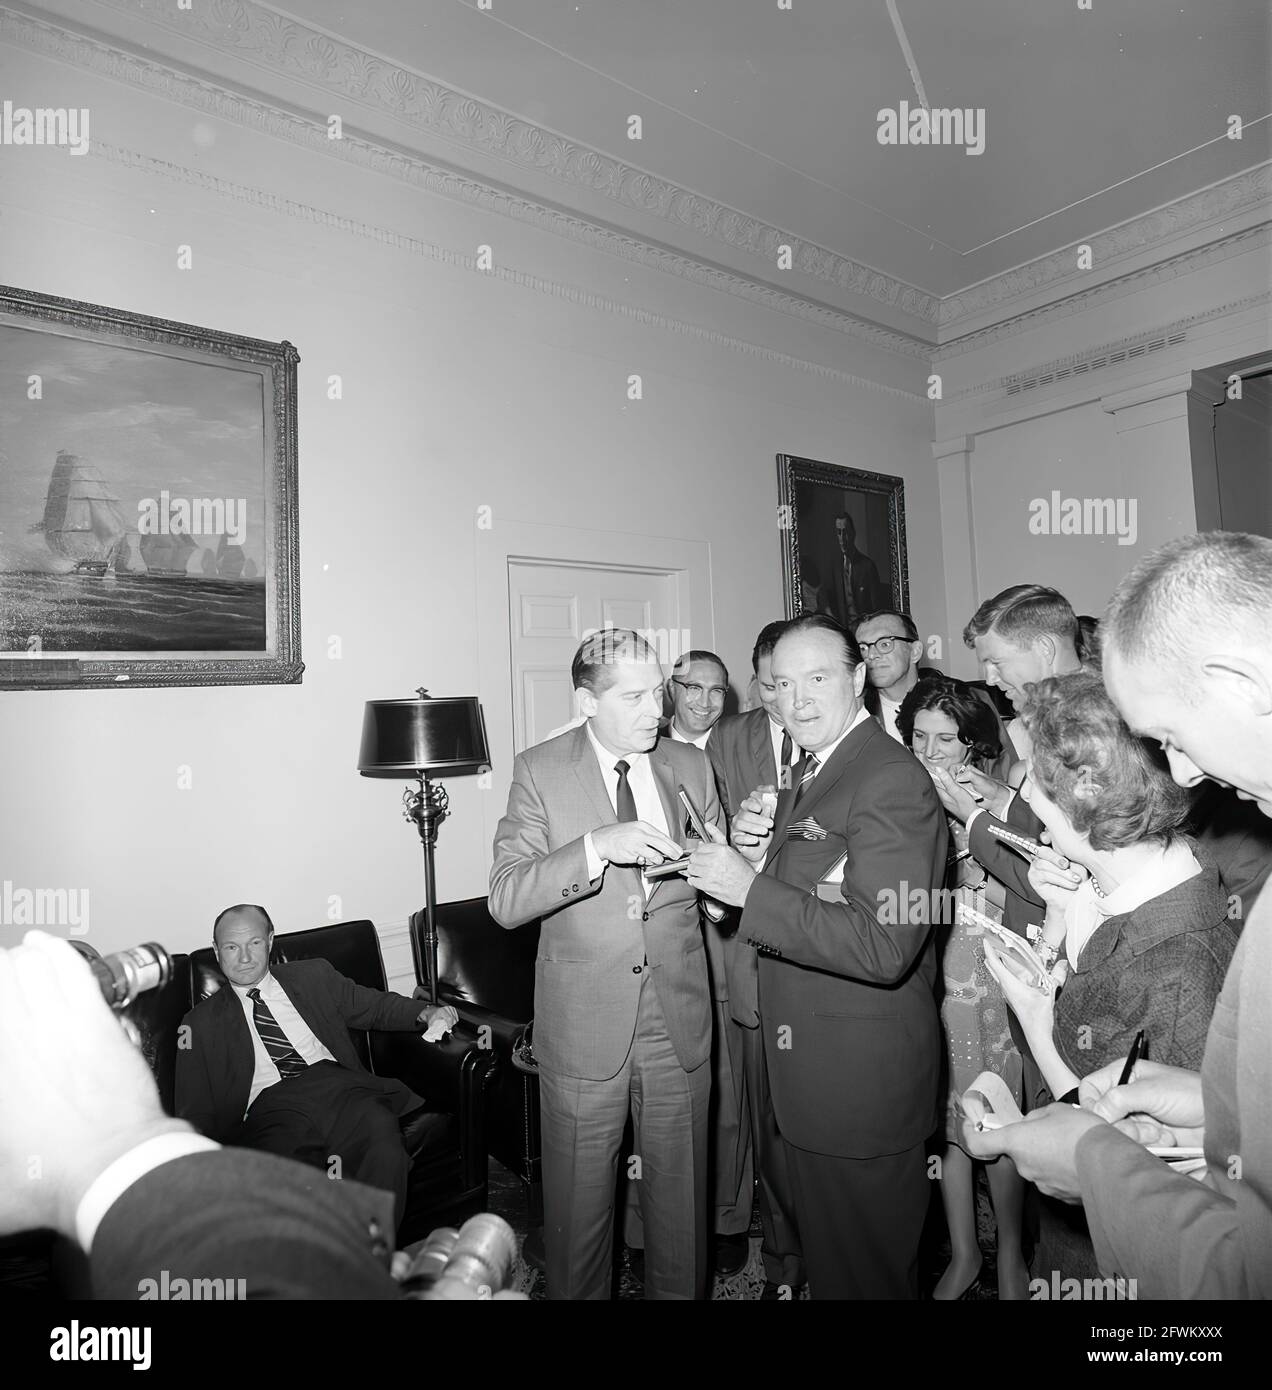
(552, 608)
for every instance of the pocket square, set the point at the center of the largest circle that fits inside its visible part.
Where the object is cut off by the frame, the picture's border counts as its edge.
(805, 829)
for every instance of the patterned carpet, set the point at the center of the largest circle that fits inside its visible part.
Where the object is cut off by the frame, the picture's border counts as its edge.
(507, 1199)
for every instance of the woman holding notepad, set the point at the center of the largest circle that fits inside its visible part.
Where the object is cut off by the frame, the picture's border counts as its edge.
(946, 727)
(1140, 943)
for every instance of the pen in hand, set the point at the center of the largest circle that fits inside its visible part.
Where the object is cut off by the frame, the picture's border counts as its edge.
(1131, 1058)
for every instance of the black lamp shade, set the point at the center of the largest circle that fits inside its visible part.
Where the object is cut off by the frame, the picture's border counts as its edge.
(445, 737)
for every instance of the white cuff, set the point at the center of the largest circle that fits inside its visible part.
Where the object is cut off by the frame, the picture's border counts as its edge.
(115, 1179)
(595, 865)
(967, 824)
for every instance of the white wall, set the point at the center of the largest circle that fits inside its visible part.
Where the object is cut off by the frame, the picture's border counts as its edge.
(459, 390)
(1120, 431)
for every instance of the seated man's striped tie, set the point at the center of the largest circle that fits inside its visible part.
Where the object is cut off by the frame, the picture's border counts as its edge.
(283, 1055)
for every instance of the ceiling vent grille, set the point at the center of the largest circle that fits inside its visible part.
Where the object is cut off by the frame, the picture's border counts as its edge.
(1015, 385)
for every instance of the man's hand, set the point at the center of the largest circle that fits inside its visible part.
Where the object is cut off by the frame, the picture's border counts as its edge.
(74, 1092)
(1042, 1146)
(1159, 1105)
(446, 1012)
(994, 794)
(720, 872)
(955, 797)
(752, 827)
(634, 842)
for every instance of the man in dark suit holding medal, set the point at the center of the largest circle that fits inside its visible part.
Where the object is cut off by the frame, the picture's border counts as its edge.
(838, 888)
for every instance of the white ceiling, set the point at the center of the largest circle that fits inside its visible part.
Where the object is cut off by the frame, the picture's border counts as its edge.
(773, 112)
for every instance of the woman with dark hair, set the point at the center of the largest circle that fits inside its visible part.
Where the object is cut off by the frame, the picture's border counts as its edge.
(1138, 928)
(948, 727)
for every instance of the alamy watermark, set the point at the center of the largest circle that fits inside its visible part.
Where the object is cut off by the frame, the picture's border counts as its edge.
(937, 125)
(1062, 1289)
(45, 125)
(44, 907)
(1084, 516)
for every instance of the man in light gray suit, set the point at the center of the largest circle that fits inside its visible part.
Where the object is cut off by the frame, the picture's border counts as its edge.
(622, 1002)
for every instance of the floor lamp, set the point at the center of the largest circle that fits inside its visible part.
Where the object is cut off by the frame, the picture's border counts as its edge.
(424, 738)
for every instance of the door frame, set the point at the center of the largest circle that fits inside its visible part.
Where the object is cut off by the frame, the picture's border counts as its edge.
(688, 563)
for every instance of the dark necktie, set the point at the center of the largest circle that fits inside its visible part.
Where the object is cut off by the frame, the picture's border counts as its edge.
(283, 1055)
(626, 800)
(784, 772)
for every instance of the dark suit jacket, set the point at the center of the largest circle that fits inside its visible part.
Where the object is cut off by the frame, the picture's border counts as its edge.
(857, 1074)
(868, 594)
(283, 1228)
(216, 1062)
(741, 753)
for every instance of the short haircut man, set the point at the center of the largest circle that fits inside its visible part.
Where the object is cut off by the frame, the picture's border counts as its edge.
(622, 997)
(1019, 636)
(698, 688)
(851, 984)
(271, 1064)
(891, 645)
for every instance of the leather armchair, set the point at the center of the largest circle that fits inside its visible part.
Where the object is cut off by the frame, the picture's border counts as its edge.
(487, 973)
(446, 1138)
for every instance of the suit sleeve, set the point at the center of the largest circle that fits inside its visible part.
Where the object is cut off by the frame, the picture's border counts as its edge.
(897, 837)
(284, 1229)
(1176, 1237)
(1008, 867)
(192, 1094)
(528, 877)
(361, 1007)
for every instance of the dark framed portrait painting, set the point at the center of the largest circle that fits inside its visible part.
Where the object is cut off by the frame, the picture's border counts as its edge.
(148, 509)
(843, 540)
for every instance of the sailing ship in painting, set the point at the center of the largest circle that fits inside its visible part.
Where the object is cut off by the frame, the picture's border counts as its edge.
(103, 586)
(83, 523)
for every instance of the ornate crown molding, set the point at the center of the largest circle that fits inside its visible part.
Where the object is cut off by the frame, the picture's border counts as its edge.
(213, 99)
(288, 46)
(1171, 268)
(539, 284)
(1226, 199)
(281, 44)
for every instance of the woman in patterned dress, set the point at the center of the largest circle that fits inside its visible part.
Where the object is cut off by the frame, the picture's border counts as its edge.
(947, 727)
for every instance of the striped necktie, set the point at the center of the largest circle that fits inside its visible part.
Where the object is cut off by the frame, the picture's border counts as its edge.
(809, 771)
(283, 1055)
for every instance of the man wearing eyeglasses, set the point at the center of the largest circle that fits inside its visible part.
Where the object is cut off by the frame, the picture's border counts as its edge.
(698, 686)
(890, 643)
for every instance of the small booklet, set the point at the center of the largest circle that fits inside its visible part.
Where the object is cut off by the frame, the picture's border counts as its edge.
(1017, 954)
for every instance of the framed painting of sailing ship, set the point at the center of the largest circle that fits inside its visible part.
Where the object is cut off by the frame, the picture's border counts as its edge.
(843, 540)
(148, 510)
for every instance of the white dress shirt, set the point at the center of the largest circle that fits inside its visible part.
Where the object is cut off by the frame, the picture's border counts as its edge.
(888, 711)
(678, 737)
(824, 756)
(299, 1033)
(640, 778)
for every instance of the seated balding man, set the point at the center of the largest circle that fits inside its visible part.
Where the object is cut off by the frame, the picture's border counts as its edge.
(269, 1064)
